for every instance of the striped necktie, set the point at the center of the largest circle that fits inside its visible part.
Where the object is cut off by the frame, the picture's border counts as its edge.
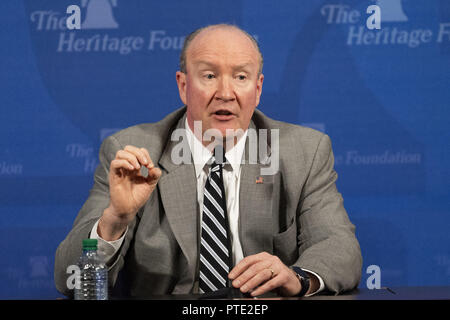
(214, 248)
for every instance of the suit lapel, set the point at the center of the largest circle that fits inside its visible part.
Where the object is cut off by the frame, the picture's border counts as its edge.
(178, 190)
(179, 197)
(256, 202)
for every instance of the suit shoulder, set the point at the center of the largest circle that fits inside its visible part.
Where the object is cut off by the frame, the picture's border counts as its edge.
(290, 131)
(137, 134)
(149, 135)
(301, 132)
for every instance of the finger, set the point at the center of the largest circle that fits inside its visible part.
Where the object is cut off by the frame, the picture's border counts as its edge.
(138, 153)
(121, 164)
(151, 179)
(261, 277)
(250, 273)
(137, 179)
(153, 175)
(270, 285)
(131, 158)
(147, 157)
(245, 263)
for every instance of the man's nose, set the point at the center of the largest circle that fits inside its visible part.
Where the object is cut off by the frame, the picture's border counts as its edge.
(225, 90)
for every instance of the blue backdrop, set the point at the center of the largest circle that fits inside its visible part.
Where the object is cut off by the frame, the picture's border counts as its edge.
(381, 95)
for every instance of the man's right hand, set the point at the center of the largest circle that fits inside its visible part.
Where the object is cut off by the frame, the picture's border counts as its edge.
(128, 189)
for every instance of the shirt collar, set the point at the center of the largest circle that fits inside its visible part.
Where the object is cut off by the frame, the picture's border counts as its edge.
(201, 155)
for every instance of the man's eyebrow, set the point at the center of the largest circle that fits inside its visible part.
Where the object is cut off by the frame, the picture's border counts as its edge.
(242, 66)
(207, 63)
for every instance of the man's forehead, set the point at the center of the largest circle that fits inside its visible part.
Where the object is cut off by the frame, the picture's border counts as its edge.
(215, 38)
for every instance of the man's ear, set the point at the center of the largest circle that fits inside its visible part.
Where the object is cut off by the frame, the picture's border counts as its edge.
(259, 84)
(181, 82)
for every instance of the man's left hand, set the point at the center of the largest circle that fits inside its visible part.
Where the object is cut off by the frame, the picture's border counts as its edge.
(264, 272)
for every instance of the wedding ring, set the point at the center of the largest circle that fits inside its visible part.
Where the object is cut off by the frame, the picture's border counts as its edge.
(271, 270)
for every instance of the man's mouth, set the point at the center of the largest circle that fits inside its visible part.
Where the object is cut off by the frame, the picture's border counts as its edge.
(223, 115)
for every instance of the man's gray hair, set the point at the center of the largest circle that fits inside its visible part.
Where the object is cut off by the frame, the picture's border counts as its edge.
(193, 34)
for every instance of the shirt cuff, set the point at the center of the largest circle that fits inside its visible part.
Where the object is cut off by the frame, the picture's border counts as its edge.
(106, 249)
(321, 283)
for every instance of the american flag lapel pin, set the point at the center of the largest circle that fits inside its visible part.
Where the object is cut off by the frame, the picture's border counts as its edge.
(259, 180)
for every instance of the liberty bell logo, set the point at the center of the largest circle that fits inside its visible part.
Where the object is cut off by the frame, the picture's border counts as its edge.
(391, 11)
(99, 14)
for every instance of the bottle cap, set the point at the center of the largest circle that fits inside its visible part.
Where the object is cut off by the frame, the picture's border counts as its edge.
(89, 244)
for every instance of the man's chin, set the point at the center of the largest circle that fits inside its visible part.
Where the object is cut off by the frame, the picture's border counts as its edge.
(223, 131)
(228, 131)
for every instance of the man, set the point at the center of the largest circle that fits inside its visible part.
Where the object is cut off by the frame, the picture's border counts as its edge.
(287, 231)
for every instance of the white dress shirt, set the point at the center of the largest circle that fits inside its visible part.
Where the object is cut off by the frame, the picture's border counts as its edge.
(231, 179)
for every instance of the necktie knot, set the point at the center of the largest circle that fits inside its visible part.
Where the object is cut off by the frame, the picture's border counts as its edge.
(215, 166)
(219, 155)
(218, 159)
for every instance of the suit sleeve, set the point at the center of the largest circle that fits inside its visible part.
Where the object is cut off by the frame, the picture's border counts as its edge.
(69, 251)
(326, 237)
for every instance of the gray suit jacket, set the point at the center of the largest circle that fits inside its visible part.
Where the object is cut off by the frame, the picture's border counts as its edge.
(296, 214)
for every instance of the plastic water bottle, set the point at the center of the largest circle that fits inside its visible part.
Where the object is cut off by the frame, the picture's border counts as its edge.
(93, 281)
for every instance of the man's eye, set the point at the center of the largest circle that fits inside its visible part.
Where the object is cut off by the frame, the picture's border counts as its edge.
(241, 77)
(209, 76)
